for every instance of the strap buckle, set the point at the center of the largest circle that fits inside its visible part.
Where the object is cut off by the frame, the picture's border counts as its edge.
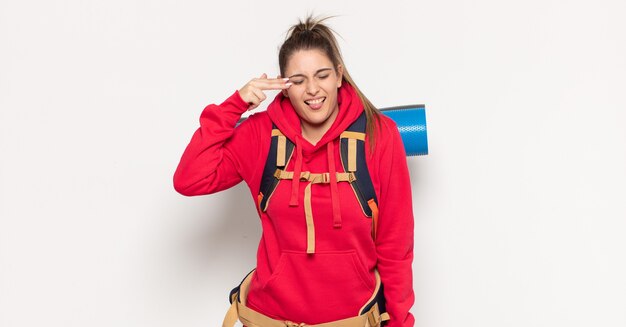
(374, 316)
(351, 177)
(326, 178)
(305, 175)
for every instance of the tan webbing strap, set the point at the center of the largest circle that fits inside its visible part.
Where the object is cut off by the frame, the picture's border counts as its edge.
(251, 318)
(281, 151)
(353, 135)
(312, 178)
(351, 154)
(352, 142)
(310, 227)
(282, 146)
(315, 178)
(377, 317)
(236, 307)
(231, 315)
(376, 288)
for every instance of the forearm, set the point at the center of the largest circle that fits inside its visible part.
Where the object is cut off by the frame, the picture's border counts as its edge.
(209, 162)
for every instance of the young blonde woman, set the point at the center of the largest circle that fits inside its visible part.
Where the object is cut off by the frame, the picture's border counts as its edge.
(321, 258)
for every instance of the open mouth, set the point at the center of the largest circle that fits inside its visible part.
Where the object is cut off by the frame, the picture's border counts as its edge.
(315, 103)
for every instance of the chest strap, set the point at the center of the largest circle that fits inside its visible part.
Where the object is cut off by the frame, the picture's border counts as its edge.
(312, 178)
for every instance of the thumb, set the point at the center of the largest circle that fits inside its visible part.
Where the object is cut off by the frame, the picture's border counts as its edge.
(263, 75)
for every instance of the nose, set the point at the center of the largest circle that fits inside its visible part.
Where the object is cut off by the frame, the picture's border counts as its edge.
(312, 88)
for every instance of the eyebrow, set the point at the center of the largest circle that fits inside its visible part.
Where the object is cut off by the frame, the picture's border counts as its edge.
(317, 72)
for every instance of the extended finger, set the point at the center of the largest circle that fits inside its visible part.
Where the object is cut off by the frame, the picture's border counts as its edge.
(272, 83)
(262, 77)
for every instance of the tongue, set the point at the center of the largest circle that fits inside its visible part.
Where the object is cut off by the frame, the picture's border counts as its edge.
(316, 105)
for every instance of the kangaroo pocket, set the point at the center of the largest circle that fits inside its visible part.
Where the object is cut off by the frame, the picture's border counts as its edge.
(315, 288)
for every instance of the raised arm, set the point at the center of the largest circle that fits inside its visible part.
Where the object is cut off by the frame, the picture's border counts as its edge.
(219, 155)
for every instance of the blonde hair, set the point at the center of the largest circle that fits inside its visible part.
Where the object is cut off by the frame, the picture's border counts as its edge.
(313, 34)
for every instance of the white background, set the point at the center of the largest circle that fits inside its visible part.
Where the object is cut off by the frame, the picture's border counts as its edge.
(520, 214)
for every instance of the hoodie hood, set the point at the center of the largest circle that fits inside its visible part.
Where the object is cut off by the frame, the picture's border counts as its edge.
(284, 116)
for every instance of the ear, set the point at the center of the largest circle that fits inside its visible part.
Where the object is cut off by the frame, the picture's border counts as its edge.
(339, 75)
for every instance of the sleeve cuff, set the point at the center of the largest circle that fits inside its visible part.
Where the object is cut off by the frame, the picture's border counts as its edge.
(236, 100)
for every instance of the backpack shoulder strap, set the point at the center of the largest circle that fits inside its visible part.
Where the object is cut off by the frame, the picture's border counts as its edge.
(281, 149)
(352, 145)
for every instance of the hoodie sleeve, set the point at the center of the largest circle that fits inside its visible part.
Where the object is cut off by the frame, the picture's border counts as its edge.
(394, 240)
(218, 155)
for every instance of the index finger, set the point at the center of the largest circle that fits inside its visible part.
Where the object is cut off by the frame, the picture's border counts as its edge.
(273, 83)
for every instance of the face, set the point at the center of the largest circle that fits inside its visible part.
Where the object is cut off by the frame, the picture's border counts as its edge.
(313, 93)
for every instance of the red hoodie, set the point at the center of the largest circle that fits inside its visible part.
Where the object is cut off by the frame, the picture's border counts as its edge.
(337, 279)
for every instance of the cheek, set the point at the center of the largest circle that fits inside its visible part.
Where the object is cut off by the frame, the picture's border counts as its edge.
(293, 92)
(331, 86)
(331, 90)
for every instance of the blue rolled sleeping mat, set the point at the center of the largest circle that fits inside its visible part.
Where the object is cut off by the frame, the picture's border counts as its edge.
(411, 122)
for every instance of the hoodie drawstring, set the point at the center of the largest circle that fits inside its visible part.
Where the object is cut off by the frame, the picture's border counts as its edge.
(334, 191)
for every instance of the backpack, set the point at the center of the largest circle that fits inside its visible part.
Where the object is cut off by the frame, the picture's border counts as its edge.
(352, 152)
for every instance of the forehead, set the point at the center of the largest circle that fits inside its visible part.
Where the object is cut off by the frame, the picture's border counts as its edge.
(307, 62)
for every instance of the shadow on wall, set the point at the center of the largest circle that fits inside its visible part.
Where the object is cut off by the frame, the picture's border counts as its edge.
(224, 236)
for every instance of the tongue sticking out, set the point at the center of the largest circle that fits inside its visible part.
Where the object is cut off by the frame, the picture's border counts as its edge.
(315, 104)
